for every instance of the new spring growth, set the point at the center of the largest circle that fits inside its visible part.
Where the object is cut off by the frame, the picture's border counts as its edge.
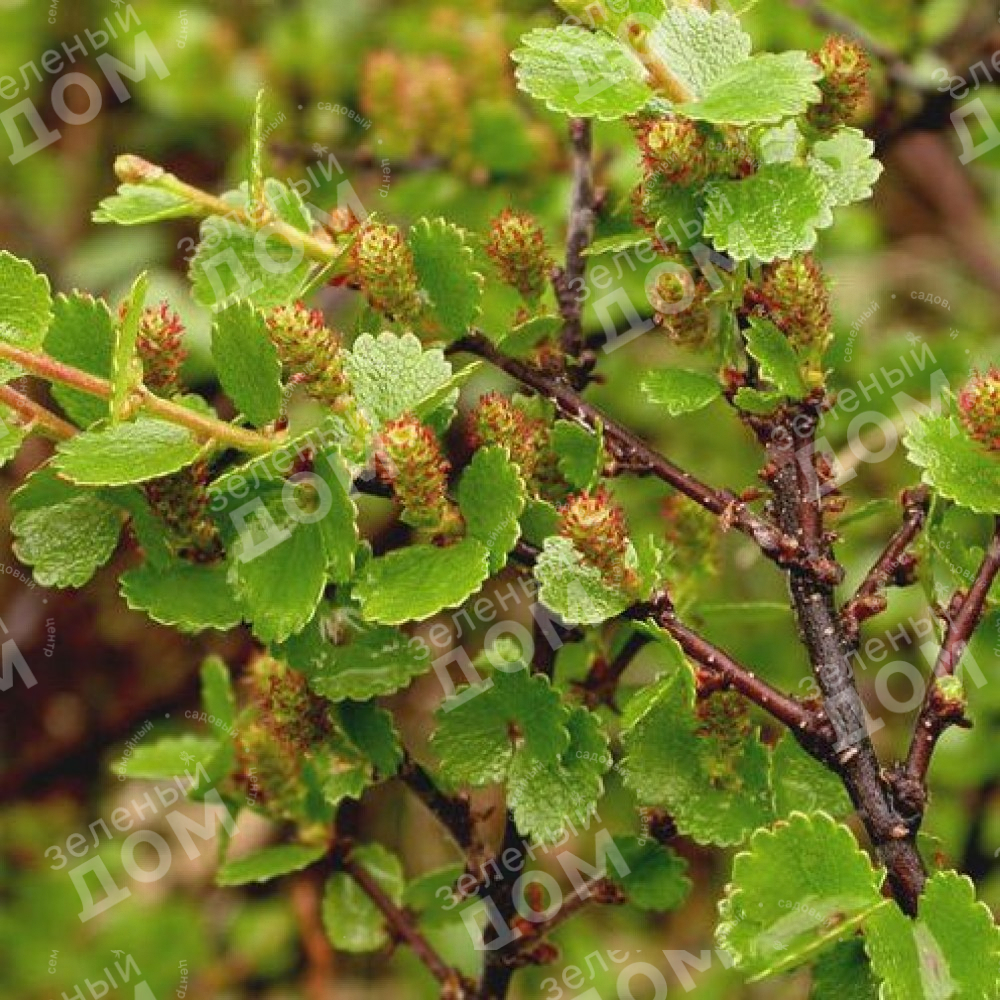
(160, 348)
(516, 245)
(409, 457)
(979, 407)
(382, 265)
(309, 349)
(687, 324)
(182, 503)
(685, 152)
(497, 420)
(595, 525)
(844, 85)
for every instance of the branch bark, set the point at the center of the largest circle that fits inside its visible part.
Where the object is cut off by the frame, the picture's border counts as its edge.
(34, 415)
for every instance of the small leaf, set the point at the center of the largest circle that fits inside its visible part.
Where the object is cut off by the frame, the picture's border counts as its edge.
(778, 361)
(539, 521)
(846, 166)
(188, 596)
(169, 757)
(270, 863)
(82, 334)
(391, 375)
(698, 48)
(63, 532)
(12, 435)
(343, 657)
(371, 729)
(764, 88)
(25, 308)
(247, 362)
(844, 973)
(580, 73)
(137, 204)
(952, 949)
(715, 793)
(529, 334)
(235, 262)
(770, 215)
(617, 243)
(953, 464)
(801, 887)
(126, 368)
(414, 583)
(580, 453)
(680, 390)
(491, 495)
(126, 453)
(444, 264)
(573, 589)
(656, 880)
(755, 401)
(352, 921)
(217, 697)
(801, 783)
(422, 895)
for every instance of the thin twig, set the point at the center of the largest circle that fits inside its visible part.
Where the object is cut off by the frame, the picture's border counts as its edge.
(454, 812)
(33, 415)
(627, 448)
(939, 711)
(601, 683)
(894, 565)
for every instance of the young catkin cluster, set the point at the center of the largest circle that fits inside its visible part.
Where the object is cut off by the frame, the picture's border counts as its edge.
(382, 266)
(160, 348)
(516, 244)
(309, 349)
(979, 407)
(595, 525)
(844, 86)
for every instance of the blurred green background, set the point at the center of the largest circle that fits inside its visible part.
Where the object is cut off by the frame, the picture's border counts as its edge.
(439, 129)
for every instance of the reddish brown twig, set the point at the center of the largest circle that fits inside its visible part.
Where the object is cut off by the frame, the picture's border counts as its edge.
(601, 683)
(34, 415)
(454, 812)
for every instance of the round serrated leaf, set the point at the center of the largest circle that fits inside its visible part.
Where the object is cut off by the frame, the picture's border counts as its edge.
(491, 495)
(25, 308)
(656, 879)
(800, 887)
(444, 265)
(188, 596)
(247, 362)
(680, 390)
(954, 465)
(352, 921)
(571, 588)
(262, 866)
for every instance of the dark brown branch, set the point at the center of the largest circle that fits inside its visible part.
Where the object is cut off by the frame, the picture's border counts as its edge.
(940, 709)
(629, 449)
(403, 927)
(798, 495)
(894, 566)
(601, 683)
(454, 812)
(723, 672)
(568, 281)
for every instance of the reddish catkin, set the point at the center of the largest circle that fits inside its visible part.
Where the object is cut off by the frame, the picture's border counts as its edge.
(382, 265)
(160, 348)
(979, 407)
(793, 295)
(844, 85)
(595, 525)
(310, 349)
(496, 420)
(516, 245)
(409, 457)
(181, 501)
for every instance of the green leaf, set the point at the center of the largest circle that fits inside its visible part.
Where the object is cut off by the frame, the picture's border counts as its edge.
(12, 435)
(580, 453)
(126, 367)
(764, 88)
(352, 921)
(63, 532)
(414, 583)
(801, 783)
(125, 453)
(778, 361)
(270, 272)
(656, 880)
(846, 165)
(844, 973)
(444, 264)
(544, 793)
(170, 756)
(82, 334)
(217, 696)
(188, 596)
(772, 214)
(262, 866)
(372, 731)
(870, 508)
(483, 728)
(391, 375)
(716, 793)
(680, 390)
(802, 886)
(422, 895)
(698, 48)
(279, 586)
(137, 204)
(952, 949)
(617, 243)
(956, 466)
(580, 73)
(247, 362)
(575, 591)
(677, 209)
(755, 401)
(344, 657)
(25, 309)
(491, 495)
(539, 521)
(529, 334)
